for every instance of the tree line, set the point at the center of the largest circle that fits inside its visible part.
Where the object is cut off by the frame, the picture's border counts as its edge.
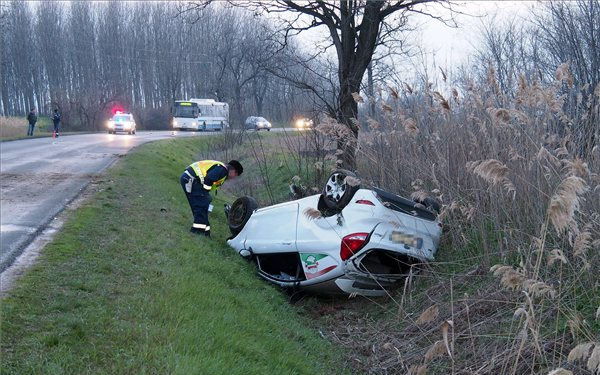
(86, 58)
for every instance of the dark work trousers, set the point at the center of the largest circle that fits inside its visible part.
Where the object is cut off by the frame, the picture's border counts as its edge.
(56, 128)
(30, 129)
(199, 200)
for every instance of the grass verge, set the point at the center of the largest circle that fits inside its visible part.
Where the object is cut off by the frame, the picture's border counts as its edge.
(12, 128)
(126, 289)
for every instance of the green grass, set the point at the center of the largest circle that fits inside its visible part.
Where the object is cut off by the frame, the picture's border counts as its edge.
(124, 288)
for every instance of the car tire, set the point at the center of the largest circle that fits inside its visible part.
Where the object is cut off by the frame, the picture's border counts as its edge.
(239, 214)
(337, 192)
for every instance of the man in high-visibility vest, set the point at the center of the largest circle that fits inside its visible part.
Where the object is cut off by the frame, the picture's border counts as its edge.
(198, 180)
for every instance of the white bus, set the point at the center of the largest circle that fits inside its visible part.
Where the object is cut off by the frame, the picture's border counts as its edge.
(200, 114)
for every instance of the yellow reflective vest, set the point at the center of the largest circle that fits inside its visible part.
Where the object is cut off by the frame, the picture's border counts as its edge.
(202, 167)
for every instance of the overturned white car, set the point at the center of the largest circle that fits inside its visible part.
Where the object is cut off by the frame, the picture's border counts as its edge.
(346, 240)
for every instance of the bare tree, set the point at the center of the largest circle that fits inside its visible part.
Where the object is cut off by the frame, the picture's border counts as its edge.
(569, 32)
(87, 57)
(355, 29)
(557, 33)
(50, 21)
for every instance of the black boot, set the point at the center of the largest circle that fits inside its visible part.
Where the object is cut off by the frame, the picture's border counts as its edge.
(196, 230)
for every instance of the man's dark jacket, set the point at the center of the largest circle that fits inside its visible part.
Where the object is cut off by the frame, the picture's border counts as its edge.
(32, 118)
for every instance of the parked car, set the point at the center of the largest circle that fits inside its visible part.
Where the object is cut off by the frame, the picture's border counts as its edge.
(121, 122)
(257, 123)
(347, 239)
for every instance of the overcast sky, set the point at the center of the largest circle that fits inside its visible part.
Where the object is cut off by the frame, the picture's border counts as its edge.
(439, 44)
(451, 46)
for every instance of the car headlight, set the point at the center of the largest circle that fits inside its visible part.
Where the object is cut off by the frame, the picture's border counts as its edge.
(194, 123)
(300, 123)
(174, 123)
(111, 124)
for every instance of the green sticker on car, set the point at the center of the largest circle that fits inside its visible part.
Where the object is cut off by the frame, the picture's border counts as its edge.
(317, 264)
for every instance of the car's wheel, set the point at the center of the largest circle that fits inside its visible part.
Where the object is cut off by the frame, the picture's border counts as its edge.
(339, 189)
(109, 132)
(240, 213)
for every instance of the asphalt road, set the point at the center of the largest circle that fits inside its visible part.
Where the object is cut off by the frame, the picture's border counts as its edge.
(40, 176)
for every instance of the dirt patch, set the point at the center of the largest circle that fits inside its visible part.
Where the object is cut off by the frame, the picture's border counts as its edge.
(16, 187)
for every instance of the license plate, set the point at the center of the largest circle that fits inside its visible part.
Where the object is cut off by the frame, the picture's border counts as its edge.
(406, 239)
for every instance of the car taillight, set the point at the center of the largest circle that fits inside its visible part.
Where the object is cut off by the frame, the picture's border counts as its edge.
(352, 243)
(365, 201)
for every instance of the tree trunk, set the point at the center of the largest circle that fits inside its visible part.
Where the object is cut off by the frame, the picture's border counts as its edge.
(347, 115)
(355, 52)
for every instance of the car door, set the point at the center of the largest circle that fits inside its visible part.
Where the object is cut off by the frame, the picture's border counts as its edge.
(273, 229)
(318, 242)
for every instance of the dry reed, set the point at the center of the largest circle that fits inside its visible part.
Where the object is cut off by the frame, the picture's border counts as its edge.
(521, 144)
(519, 198)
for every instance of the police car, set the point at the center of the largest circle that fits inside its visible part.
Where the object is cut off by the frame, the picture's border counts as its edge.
(121, 122)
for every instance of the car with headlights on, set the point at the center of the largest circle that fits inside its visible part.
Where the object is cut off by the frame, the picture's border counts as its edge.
(303, 123)
(349, 239)
(257, 123)
(121, 122)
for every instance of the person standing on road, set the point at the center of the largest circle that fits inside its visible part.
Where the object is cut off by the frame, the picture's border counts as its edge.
(32, 119)
(198, 180)
(56, 121)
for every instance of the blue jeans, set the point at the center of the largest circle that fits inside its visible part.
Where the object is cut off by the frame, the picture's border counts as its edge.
(30, 129)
